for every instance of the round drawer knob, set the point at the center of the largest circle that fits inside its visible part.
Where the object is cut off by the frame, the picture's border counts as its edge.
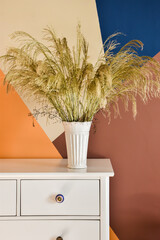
(59, 238)
(59, 199)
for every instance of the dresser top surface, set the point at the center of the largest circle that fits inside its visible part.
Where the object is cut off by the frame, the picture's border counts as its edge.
(101, 167)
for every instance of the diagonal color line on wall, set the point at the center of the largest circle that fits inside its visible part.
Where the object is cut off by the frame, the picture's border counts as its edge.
(60, 144)
(18, 138)
(113, 235)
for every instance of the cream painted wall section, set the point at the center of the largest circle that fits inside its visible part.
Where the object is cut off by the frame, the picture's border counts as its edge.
(34, 15)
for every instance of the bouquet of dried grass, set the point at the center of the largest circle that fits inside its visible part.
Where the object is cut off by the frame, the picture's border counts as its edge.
(64, 79)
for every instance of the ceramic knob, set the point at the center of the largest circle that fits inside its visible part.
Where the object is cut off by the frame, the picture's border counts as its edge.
(59, 238)
(59, 199)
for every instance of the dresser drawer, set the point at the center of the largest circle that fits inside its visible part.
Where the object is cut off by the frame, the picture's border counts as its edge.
(49, 230)
(7, 197)
(81, 197)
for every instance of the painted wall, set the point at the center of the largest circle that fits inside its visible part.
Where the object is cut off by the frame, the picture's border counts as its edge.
(133, 146)
(137, 19)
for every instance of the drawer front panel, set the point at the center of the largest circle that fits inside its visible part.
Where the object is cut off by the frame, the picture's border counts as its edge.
(7, 197)
(81, 197)
(49, 230)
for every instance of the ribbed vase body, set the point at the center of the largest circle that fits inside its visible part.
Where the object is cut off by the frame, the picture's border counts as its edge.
(77, 135)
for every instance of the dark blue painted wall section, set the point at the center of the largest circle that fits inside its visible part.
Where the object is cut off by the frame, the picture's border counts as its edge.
(138, 19)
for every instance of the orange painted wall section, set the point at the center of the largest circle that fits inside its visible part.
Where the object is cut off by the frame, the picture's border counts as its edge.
(113, 235)
(18, 137)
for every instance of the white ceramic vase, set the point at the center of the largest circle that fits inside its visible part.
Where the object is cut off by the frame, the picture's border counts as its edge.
(77, 135)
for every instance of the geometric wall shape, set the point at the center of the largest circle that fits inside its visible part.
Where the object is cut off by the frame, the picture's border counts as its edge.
(112, 235)
(133, 147)
(60, 144)
(138, 19)
(18, 137)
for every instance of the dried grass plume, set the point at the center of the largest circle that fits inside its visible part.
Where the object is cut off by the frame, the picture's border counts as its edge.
(74, 88)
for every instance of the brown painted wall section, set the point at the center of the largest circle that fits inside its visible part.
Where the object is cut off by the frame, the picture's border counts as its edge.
(134, 149)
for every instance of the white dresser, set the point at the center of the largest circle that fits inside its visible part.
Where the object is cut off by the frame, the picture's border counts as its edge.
(41, 199)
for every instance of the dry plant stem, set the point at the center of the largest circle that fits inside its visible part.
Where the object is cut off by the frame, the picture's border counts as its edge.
(66, 80)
